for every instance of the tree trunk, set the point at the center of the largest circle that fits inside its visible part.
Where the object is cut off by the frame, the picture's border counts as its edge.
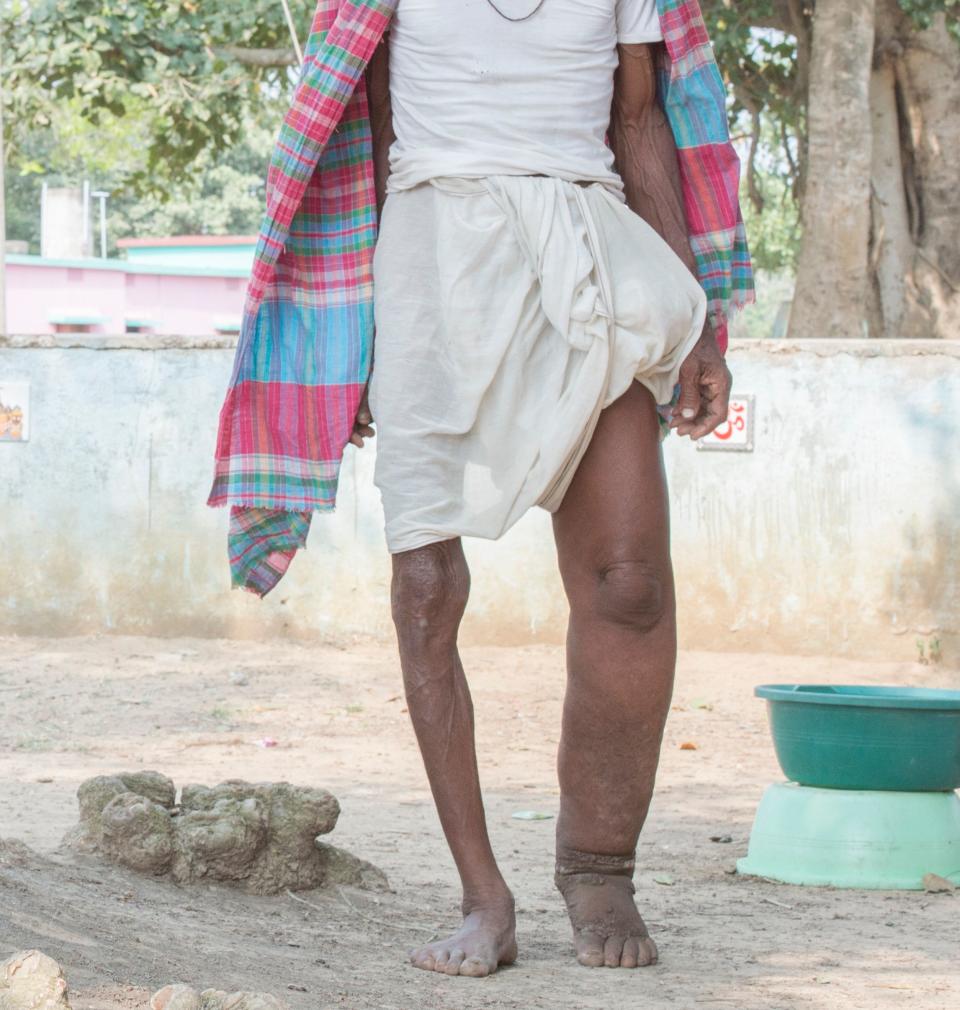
(915, 231)
(893, 211)
(831, 298)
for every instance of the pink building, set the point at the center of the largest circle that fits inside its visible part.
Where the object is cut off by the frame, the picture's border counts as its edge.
(191, 285)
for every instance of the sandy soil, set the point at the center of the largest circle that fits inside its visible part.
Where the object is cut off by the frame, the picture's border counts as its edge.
(80, 707)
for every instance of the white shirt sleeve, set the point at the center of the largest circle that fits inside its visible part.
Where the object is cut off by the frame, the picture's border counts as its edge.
(638, 21)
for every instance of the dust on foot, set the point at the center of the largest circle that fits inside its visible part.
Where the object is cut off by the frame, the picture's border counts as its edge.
(607, 928)
(485, 941)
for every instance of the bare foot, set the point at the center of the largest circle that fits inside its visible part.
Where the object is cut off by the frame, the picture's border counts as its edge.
(607, 928)
(486, 940)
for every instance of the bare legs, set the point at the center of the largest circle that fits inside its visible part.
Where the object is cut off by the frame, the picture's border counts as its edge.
(612, 542)
(612, 534)
(430, 588)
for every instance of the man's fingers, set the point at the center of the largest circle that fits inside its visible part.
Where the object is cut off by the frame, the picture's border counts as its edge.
(716, 404)
(359, 433)
(712, 417)
(689, 404)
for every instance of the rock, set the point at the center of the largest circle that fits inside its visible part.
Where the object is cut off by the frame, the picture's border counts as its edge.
(175, 997)
(293, 817)
(138, 833)
(221, 842)
(262, 837)
(94, 795)
(294, 809)
(297, 815)
(153, 785)
(32, 981)
(14, 853)
(182, 997)
(212, 999)
(239, 678)
(343, 867)
(252, 1001)
(933, 883)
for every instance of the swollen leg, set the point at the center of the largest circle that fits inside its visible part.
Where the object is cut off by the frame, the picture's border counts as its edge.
(613, 545)
(429, 595)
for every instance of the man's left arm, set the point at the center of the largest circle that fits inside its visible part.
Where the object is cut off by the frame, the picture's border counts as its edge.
(646, 158)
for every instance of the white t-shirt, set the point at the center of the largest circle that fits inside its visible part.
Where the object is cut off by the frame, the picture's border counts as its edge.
(474, 94)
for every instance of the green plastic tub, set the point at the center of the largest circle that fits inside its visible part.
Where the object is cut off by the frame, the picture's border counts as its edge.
(903, 739)
(848, 838)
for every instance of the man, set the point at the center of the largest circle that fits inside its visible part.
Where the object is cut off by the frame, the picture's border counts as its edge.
(535, 298)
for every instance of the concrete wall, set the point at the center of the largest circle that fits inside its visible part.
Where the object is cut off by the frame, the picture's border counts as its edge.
(839, 533)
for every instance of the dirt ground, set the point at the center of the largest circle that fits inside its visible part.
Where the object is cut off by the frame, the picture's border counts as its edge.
(80, 707)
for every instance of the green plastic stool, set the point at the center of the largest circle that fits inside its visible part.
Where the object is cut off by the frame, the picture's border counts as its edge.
(854, 838)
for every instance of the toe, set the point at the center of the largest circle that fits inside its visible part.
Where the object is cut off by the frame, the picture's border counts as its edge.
(613, 951)
(631, 953)
(453, 963)
(590, 950)
(648, 952)
(422, 959)
(475, 967)
(440, 960)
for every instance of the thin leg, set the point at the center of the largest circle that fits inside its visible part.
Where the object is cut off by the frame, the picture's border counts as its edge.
(612, 534)
(429, 594)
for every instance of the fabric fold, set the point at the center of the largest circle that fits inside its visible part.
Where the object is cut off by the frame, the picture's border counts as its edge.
(510, 311)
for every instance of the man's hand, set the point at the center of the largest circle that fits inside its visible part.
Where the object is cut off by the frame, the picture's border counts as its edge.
(362, 422)
(704, 389)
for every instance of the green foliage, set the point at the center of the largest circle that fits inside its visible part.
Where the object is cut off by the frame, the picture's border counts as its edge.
(226, 199)
(922, 12)
(758, 58)
(128, 58)
(222, 194)
(775, 231)
(759, 61)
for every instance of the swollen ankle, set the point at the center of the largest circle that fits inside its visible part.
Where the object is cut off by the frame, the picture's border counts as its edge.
(576, 863)
(497, 899)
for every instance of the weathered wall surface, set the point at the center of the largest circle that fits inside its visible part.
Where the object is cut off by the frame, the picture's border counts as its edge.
(839, 533)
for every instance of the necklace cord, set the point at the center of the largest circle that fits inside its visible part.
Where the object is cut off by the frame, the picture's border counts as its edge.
(526, 17)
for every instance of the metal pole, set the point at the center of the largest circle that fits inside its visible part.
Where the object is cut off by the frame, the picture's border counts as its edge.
(101, 195)
(3, 215)
(293, 31)
(43, 218)
(87, 244)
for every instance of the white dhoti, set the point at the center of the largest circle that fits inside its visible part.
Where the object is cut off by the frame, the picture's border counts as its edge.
(510, 310)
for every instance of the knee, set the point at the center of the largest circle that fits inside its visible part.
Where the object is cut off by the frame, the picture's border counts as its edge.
(634, 594)
(429, 591)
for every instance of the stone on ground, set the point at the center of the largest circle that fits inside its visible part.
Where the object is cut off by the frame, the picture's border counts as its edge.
(252, 1001)
(138, 833)
(96, 793)
(175, 997)
(182, 997)
(262, 837)
(32, 981)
